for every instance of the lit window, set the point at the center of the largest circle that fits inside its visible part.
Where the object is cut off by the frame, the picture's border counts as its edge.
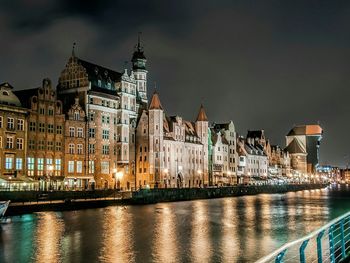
(79, 166)
(20, 125)
(30, 166)
(91, 167)
(70, 166)
(105, 167)
(10, 123)
(9, 163)
(40, 166)
(58, 167)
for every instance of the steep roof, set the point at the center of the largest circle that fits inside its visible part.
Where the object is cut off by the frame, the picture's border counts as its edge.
(26, 95)
(95, 71)
(155, 102)
(255, 134)
(295, 147)
(313, 129)
(221, 126)
(201, 115)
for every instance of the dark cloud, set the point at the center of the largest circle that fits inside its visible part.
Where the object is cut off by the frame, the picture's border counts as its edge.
(263, 64)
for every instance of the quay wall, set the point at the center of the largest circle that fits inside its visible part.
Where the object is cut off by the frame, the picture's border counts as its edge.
(170, 195)
(35, 196)
(24, 202)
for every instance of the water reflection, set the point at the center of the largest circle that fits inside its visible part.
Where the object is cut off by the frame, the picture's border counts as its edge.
(229, 224)
(240, 229)
(201, 249)
(49, 233)
(165, 239)
(117, 242)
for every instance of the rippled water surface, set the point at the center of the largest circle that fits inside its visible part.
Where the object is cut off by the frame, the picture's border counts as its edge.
(239, 229)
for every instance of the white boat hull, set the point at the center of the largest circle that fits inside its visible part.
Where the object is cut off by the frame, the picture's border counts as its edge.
(3, 207)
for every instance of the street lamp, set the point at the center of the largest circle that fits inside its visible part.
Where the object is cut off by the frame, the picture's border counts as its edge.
(199, 173)
(165, 171)
(119, 175)
(115, 178)
(50, 169)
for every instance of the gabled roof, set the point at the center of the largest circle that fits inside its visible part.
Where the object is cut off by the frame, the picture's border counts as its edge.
(313, 129)
(155, 102)
(201, 115)
(295, 147)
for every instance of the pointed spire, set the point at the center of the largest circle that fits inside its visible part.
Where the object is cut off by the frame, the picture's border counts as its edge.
(139, 41)
(73, 49)
(201, 115)
(155, 102)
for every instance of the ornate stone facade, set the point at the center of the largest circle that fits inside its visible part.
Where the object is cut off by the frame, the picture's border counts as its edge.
(170, 151)
(45, 146)
(13, 135)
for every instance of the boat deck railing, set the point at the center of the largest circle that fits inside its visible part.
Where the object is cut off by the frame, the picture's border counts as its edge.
(330, 243)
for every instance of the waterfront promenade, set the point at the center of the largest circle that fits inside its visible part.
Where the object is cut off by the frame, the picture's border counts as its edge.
(208, 230)
(23, 202)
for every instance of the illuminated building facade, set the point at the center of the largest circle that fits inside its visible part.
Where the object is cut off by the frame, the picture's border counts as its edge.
(170, 151)
(303, 143)
(13, 135)
(45, 144)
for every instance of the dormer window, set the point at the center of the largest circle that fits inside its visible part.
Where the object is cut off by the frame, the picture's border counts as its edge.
(5, 93)
(99, 83)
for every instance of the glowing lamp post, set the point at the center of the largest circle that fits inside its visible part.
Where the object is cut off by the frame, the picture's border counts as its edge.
(119, 176)
(115, 178)
(50, 169)
(165, 171)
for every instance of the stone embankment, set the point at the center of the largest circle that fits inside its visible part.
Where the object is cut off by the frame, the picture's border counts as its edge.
(184, 194)
(23, 202)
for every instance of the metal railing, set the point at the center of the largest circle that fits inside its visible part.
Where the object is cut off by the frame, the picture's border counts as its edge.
(330, 243)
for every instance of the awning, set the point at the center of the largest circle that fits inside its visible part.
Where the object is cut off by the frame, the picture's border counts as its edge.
(78, 177)
(18, 179)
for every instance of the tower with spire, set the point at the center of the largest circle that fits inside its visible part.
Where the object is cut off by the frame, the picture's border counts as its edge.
(140, 72)
(202, 132)
(156, 138)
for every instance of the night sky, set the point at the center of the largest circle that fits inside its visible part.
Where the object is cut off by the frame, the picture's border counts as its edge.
(263, 64)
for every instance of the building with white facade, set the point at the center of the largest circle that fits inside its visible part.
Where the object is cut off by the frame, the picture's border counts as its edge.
(224, 154)
(170, 151)
(253, 161)
(111, 101)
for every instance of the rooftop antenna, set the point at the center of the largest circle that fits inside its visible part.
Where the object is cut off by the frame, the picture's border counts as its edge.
(139, 41)
(73, 49)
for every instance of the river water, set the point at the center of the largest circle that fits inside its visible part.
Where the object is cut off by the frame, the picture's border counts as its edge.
(237, 229)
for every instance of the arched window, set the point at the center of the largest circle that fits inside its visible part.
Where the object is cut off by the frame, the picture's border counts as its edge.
(76, 115)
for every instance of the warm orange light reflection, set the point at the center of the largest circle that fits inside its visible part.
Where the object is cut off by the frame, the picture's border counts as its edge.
(165, 239)
(117, 237)
(201, 248)
(229, 225)
(48, 238)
